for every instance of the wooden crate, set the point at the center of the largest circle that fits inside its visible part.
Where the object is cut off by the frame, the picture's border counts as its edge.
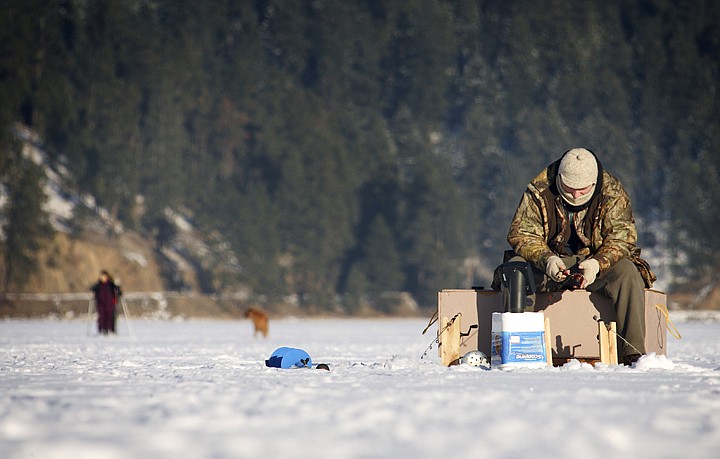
(572, 314)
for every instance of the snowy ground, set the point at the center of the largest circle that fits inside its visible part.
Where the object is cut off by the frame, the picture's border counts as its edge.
(198, 389)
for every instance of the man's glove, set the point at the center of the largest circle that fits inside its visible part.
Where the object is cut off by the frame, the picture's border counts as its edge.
(590, 269)
(556, 269)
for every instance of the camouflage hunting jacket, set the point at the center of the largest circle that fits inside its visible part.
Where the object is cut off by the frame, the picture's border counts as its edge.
(606, 226)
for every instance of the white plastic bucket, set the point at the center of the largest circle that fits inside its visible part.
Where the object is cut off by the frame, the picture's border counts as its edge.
(518, 340)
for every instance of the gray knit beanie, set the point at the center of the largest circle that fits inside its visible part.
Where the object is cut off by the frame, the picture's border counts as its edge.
(578, 168)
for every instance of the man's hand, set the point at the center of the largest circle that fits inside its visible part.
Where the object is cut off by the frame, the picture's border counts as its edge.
(556, 269)
(590, 269)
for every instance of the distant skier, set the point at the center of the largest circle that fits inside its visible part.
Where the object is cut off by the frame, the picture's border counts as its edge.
(107, 295)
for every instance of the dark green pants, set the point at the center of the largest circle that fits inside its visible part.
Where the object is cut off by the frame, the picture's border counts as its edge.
(625, 288)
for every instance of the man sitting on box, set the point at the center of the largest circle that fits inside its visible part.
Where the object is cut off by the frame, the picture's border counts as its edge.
(575, 226)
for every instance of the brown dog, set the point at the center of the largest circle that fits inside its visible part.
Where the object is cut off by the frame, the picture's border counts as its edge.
(259, 319)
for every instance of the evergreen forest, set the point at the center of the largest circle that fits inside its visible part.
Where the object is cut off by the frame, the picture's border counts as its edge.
(341, 149)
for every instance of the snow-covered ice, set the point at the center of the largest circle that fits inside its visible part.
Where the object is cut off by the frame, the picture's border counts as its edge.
(200, 389)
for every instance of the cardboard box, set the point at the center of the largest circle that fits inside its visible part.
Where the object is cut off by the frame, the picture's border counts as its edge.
(573, 329)
(476, 308)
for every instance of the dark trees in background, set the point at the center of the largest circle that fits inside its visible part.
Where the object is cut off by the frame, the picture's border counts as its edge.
(25, 225)
(350, 147)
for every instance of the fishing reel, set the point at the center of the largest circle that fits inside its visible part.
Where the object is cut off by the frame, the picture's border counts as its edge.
(574, 279)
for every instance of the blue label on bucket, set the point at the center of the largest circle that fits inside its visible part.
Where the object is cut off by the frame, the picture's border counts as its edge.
(518, 347)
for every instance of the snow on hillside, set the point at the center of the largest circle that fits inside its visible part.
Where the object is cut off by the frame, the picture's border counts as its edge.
(200, 389)
(61, 203)
(187, 249)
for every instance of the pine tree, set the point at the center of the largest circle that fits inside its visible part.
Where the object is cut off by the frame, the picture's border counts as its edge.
(26, 226)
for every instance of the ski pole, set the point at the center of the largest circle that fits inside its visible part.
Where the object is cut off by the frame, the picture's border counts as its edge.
(127, 317)
(89, 317)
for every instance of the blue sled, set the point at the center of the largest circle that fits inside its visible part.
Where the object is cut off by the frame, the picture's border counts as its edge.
(289, 357)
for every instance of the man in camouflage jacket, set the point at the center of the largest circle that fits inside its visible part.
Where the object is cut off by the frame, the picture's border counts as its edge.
(575, 217)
